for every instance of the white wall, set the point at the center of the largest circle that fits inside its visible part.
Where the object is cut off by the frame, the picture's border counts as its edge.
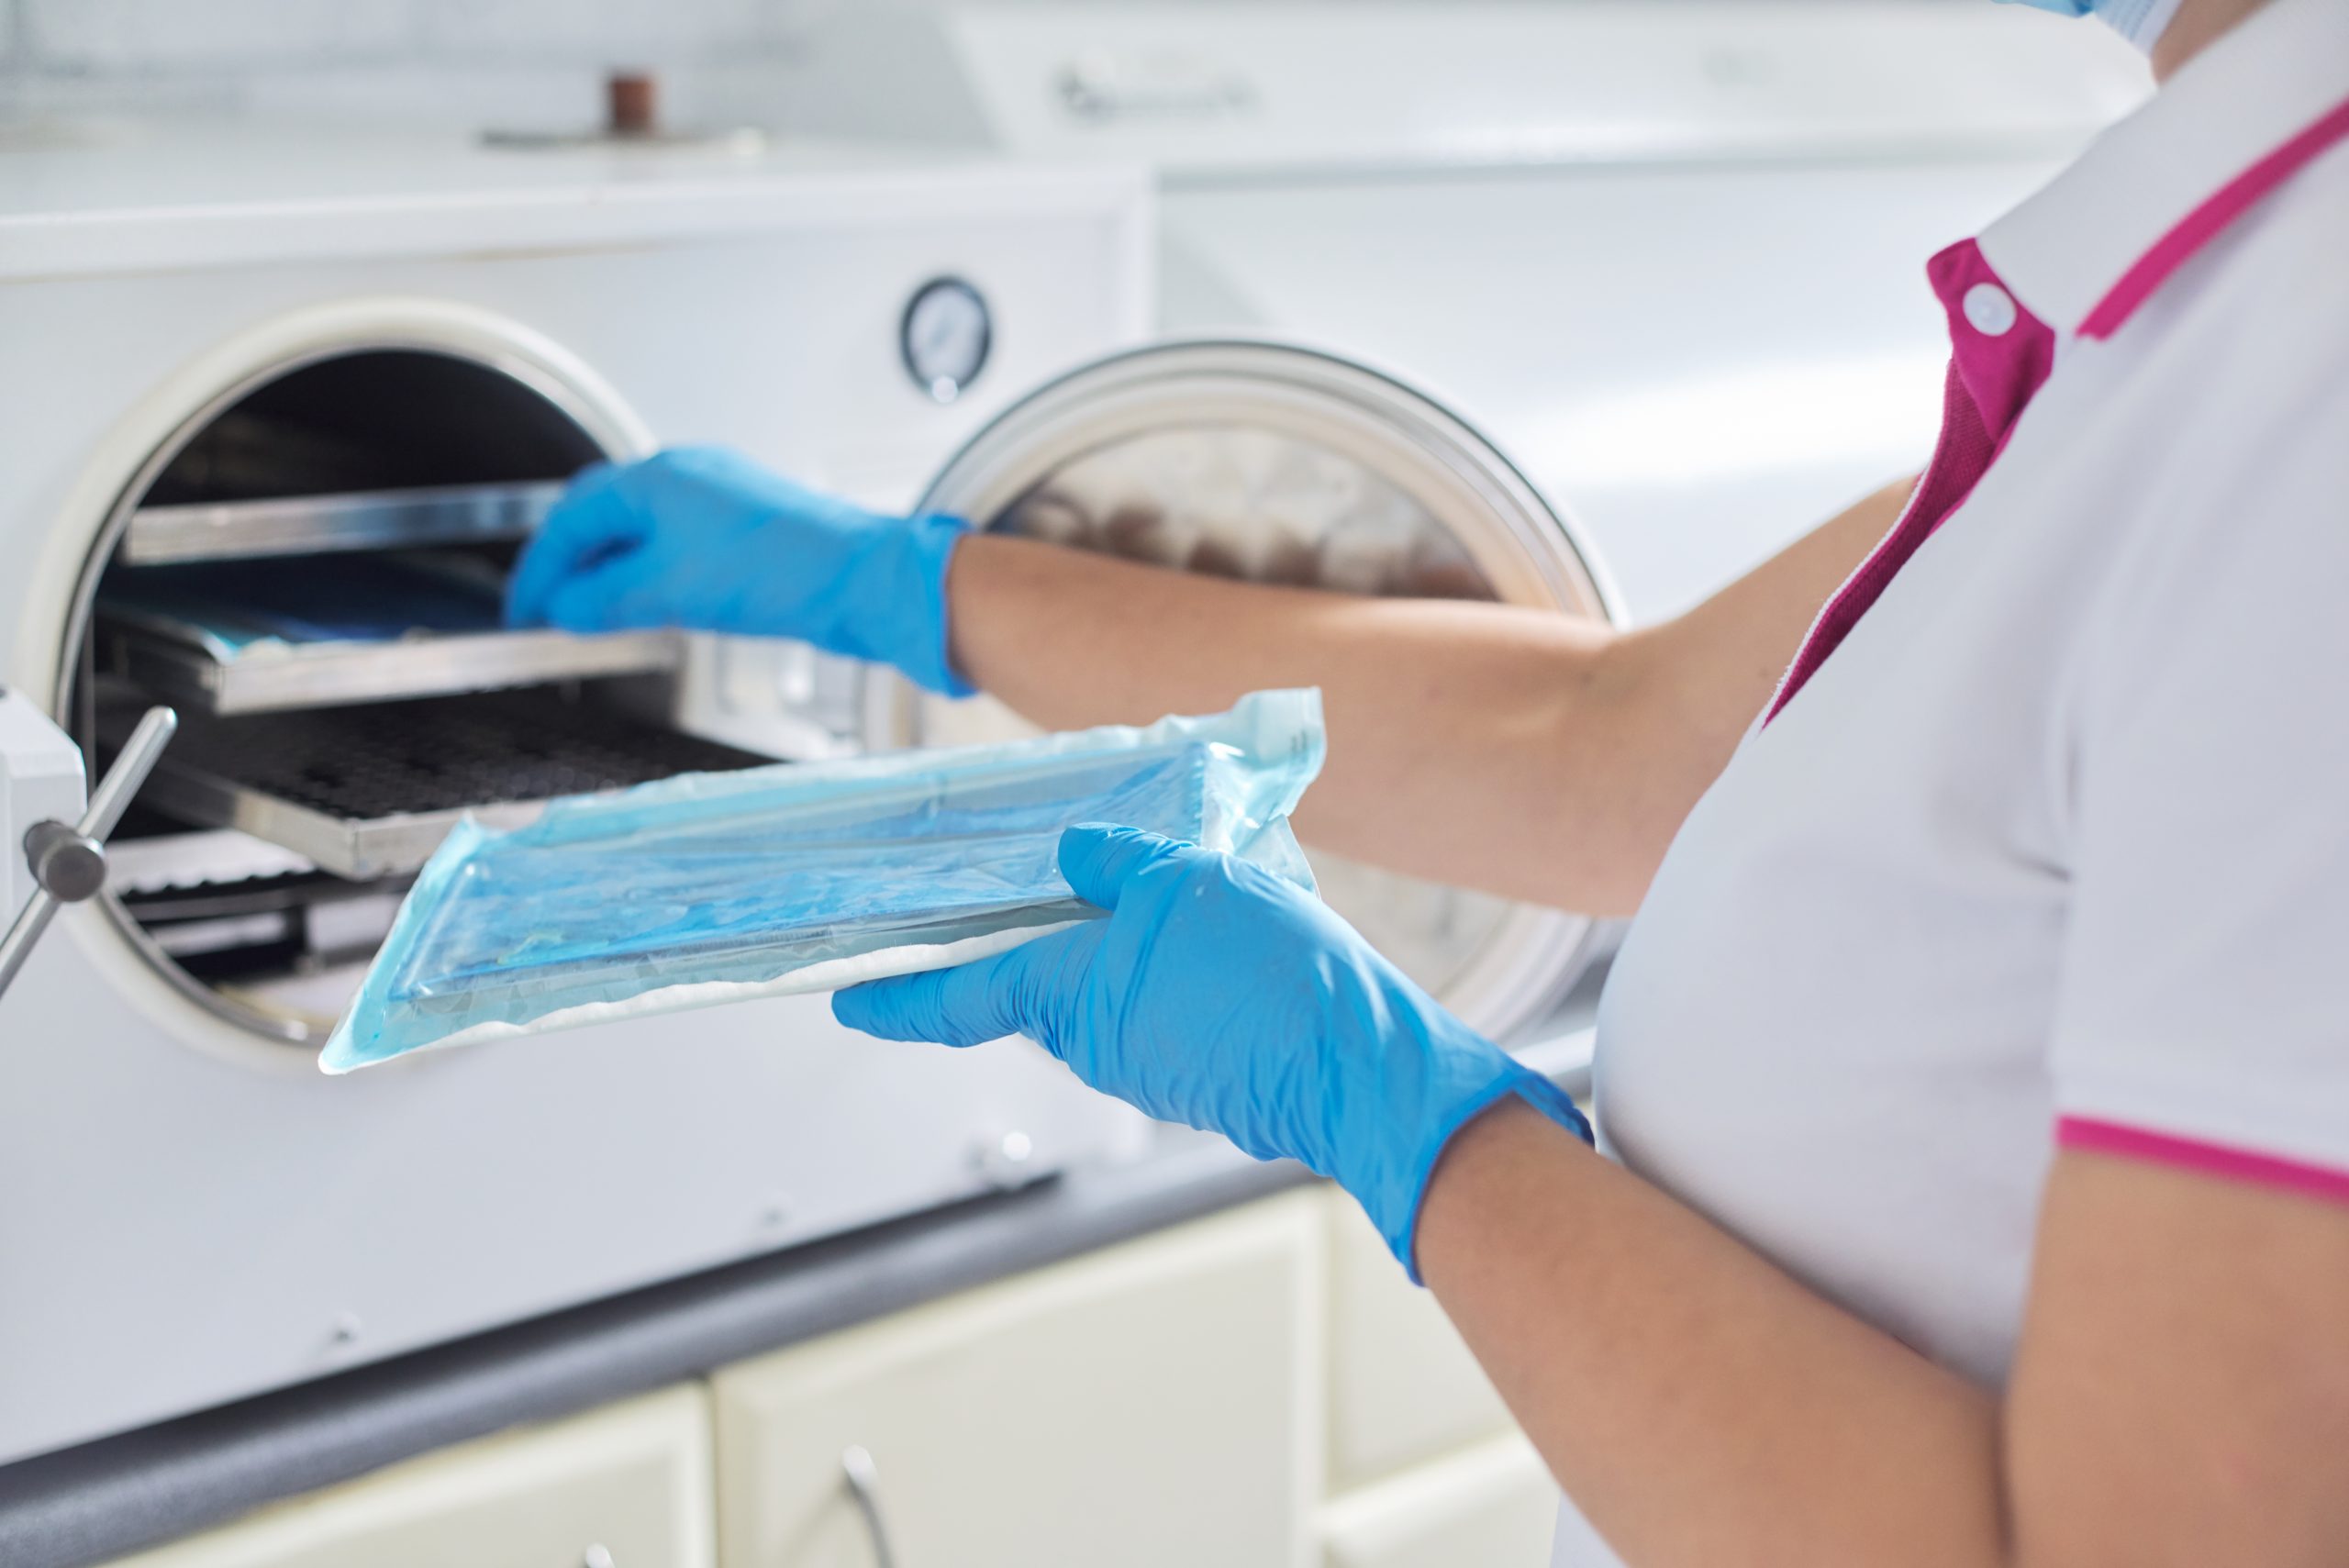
(159, 39)
(521, 61)
(472, 64)
(467, 65)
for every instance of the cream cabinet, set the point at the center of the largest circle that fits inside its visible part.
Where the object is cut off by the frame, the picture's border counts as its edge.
(1492, 1505)
(627, 1487)
(1260, 1389)
(1152, 1406)
(1403, 1388)
(1427, 1468)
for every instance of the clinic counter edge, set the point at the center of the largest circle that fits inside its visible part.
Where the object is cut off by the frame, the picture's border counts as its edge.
(118, 1495)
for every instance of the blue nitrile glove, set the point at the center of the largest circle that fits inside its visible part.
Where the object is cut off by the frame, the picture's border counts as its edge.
(703, 538)
(1218, 995)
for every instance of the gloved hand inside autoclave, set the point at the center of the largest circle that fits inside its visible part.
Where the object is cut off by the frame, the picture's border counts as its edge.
(703, 538)
(1220, 997)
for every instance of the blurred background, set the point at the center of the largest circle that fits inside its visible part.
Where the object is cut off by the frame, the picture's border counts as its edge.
(1581, 304)
(1776, 170)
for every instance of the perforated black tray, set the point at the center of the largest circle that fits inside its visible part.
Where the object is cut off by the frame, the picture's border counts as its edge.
(371, 791)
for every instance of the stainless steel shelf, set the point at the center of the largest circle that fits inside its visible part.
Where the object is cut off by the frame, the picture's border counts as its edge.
(157, 864)
(368, 792)
(303, 525)
(289, 675)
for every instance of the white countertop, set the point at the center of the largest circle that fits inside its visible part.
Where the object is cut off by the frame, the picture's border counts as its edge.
(112, 197)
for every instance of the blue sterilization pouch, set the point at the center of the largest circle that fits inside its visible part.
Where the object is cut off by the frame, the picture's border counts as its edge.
(718, 887)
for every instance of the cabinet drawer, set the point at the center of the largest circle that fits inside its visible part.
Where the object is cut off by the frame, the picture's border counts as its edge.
(1492, 1504)
(1403, 1387)
(1150, 1406)
(633, 1480)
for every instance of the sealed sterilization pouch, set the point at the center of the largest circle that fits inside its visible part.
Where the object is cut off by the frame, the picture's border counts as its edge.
(232, 609)
(718, 887)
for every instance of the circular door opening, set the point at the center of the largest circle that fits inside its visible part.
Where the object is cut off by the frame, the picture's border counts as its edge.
(1276, 464)
(369, 421)
(324, 488)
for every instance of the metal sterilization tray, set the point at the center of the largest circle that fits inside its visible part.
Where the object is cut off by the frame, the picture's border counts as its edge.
(318, 674)
(259, 634)
(371, 791)
(304, 525)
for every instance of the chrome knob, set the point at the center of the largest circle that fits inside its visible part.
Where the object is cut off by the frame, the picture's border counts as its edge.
(67, 863)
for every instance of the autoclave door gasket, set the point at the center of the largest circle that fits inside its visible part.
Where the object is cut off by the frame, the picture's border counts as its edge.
(1503, 531)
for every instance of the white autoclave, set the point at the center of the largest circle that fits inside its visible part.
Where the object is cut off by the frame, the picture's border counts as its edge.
(1666, 253)
(251, 354)
(316, 373)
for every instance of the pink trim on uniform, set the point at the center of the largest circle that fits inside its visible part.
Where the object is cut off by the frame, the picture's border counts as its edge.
(2207, 1159)
(1993, 375)
(2001, 373)
(2210, 220)
(1991, 379)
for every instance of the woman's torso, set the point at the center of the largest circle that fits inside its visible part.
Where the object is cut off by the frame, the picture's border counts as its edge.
(1830, 1029)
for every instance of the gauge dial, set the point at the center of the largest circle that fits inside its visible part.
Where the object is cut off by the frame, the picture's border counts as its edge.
(945, 337)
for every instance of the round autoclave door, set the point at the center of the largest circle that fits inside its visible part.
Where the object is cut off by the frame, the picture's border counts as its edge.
(1276, 463)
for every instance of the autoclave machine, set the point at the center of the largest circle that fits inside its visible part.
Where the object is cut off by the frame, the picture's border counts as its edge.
(280, 409)
(284, 417)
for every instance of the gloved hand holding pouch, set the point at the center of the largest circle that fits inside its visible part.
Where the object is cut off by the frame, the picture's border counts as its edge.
(720, 887)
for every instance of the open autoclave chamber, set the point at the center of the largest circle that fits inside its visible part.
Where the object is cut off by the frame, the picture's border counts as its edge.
(305, 559)
(282, 417)
(311, 570)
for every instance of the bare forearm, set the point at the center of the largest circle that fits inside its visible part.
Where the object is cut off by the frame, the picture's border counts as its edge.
(1702, 1407)
(1444, 717)
(1542, 756)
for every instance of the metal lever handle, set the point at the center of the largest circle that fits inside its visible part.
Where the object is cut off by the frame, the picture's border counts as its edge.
(70, 863)
(863, 1480)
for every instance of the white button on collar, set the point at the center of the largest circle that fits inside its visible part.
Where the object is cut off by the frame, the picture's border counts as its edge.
(1992, 309)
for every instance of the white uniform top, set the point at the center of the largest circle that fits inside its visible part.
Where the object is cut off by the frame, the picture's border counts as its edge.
(2051, 843)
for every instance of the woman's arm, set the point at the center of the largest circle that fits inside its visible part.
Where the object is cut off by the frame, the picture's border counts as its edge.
(1537, 755)
(1541, 756)
(2181, 1395)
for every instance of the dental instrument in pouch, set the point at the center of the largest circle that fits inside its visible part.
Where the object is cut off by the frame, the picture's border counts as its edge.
(69, 864)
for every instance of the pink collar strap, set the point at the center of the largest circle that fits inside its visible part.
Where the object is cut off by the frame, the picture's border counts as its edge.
(2000, 355)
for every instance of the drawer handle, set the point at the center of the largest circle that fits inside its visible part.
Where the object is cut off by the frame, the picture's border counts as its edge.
(863, 1480)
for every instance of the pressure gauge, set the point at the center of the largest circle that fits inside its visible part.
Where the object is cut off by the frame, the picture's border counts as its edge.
(945, 337)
